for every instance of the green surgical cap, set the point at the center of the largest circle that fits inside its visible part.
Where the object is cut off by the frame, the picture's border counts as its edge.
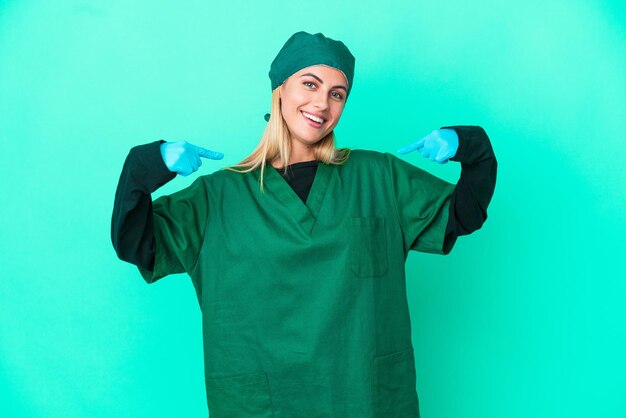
(303, 50)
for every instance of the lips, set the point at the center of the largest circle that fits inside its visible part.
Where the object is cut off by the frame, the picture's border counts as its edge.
(312, 122)
(315, 114)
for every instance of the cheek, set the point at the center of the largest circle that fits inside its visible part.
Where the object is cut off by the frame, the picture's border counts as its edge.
(286, 104)
(299, 99)
(337, 113)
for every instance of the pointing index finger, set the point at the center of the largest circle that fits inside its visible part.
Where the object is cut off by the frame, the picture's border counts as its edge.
(412, 147)
(213, 155)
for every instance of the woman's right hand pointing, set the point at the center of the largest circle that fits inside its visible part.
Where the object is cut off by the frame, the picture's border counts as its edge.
(184, 158)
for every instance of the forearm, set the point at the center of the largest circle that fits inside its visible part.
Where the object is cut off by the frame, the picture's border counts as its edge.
(132, 231)
(475, 188)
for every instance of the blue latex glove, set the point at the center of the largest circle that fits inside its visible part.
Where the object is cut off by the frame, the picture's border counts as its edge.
(184, 158)
(438, 146)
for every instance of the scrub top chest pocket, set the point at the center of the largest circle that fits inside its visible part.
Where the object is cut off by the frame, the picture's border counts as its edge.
(368, 246)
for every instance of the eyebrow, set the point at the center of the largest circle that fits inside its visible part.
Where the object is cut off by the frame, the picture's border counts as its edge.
(321, 82)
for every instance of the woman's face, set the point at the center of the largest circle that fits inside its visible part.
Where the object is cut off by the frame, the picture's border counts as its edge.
(317, 90)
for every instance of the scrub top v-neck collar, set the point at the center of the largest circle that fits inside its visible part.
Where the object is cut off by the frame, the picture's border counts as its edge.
(305, 214)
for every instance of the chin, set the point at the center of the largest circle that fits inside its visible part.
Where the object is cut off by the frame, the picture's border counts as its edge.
(309, 140)
(315, 141)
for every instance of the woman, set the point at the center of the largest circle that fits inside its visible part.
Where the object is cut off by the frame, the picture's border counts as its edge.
(297, 254)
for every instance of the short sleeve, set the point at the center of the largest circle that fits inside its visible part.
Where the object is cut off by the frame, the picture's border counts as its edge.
(423, 204)
(180, 221)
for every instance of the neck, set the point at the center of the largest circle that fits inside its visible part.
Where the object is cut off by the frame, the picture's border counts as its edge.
(299, 153)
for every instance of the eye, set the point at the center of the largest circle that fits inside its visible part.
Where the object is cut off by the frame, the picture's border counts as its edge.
(335, 94)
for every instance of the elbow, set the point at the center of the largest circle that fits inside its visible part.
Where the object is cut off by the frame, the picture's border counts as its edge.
(448, 243)
(131, 252)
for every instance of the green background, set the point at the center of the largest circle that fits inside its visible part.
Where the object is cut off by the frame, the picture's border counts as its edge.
(525, 318)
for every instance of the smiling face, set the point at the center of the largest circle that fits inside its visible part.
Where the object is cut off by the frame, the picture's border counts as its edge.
(318, 91)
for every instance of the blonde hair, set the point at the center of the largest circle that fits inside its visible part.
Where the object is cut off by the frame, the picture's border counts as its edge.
(276, 142)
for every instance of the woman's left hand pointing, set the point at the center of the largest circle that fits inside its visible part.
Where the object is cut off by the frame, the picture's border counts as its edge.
(438, 146)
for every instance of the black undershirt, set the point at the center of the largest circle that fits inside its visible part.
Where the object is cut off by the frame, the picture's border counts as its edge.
(300, 177)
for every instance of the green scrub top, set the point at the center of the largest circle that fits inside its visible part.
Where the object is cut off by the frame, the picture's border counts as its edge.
(304, 306)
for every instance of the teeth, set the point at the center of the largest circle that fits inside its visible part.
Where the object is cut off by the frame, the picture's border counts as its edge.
(316, 119)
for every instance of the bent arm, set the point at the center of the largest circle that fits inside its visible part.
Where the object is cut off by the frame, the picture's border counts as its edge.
(132, 230)
(475, 188)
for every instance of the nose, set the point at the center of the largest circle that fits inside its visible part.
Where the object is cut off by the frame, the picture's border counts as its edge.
(320, 100)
